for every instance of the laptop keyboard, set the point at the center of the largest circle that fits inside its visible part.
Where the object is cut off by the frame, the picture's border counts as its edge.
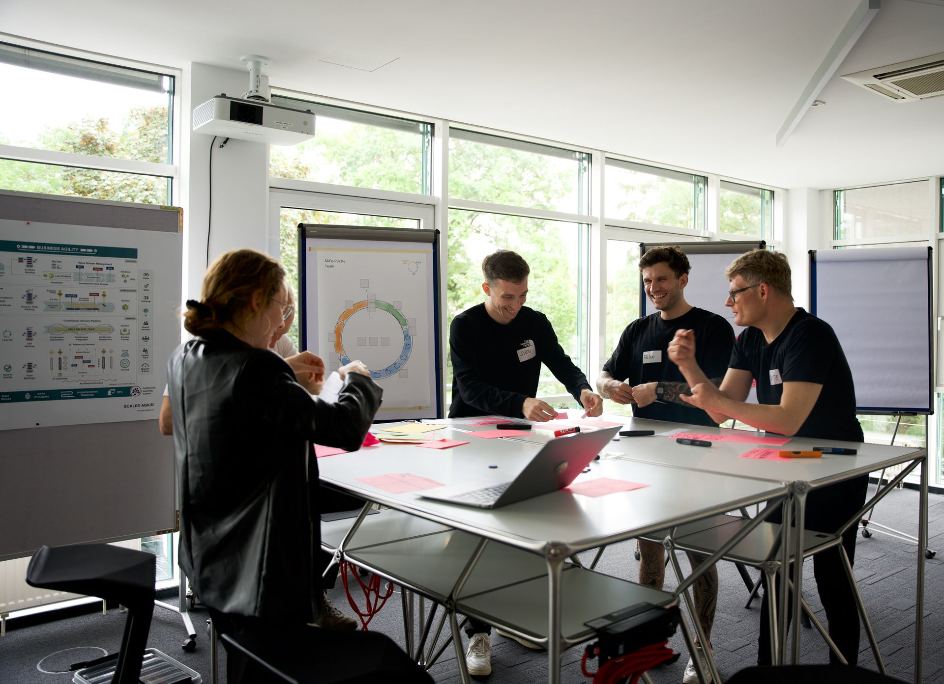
(484, 495)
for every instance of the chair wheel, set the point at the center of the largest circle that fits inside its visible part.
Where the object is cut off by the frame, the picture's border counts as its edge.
(190, 645)
(928, 553)
(867, 533)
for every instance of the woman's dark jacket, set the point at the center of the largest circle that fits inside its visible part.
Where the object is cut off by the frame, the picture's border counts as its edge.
(249, 526)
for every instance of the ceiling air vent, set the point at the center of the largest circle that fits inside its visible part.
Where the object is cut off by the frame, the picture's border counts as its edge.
(916, 79)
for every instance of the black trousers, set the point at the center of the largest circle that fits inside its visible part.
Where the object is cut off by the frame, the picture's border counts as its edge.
(311, 654)
(827, 509)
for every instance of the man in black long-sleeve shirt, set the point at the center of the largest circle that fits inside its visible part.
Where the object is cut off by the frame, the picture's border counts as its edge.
(497, 349)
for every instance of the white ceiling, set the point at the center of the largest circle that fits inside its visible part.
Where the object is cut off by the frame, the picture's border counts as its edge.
(702, 85)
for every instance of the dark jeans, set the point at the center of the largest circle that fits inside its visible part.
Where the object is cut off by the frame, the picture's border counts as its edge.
(827, 509)
(311, 654)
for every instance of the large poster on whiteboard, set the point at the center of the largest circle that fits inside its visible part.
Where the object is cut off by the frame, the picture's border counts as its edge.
(370, 294)
(88, 318)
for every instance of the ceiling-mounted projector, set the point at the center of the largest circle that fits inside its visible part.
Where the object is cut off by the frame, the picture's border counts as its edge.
(253, 117)
(254, 120)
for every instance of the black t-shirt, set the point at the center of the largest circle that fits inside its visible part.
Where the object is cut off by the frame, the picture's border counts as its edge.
(807, 350)
(641, 356)
(497, 366)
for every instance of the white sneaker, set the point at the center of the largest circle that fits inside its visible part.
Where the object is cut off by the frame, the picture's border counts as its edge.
(478, 657)
(691, 674)
(527, 643)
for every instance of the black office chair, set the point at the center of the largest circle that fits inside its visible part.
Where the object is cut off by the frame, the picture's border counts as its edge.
(112, 573)
(267, 654)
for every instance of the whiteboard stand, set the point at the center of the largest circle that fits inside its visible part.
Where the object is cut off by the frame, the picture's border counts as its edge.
(892, 363)
(869, 526)
(190, 643)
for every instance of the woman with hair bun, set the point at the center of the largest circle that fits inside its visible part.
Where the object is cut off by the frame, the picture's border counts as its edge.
(249, 525)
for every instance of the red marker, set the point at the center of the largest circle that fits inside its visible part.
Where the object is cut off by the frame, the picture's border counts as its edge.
(566, 431)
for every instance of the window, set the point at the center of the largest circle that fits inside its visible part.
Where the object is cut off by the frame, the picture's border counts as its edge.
(897, 213)
(521, 177)
(54, 179)
(78, 111)
(745, 211)
(622, 302)
(486, 168)
(358, 149)
(646, 194)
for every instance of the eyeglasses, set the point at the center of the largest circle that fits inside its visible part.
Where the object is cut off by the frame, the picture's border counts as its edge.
(287, 309)
(732, 294)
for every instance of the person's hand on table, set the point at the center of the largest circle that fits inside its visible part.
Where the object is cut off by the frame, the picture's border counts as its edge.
(592, 403)
(537, 410)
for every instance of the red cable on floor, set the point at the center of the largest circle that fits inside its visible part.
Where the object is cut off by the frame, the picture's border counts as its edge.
(374, 600)
(630, 666)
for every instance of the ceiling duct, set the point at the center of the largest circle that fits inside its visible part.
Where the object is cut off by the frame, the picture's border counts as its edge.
(916, 79)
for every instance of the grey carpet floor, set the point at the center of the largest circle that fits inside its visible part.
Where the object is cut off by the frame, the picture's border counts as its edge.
(885, 570)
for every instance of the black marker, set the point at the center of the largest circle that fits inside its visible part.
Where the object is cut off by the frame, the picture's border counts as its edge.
(693, 442)
(637, 433)
(845, 451)
(513, 426)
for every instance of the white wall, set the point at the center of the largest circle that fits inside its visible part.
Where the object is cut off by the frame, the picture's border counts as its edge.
(804, 230)
(240, 180)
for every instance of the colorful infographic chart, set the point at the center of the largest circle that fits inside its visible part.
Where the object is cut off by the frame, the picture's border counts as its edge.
(79, 308)
(374, 301)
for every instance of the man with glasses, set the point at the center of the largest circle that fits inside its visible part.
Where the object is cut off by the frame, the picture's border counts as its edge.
(639, 373)
(804, 388)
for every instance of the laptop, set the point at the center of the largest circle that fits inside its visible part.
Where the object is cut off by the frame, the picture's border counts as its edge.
(555, 466)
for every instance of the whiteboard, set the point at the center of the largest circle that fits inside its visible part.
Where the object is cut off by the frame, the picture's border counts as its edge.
(90, 471)
(879, 303)
(707, 285)
(370, 294)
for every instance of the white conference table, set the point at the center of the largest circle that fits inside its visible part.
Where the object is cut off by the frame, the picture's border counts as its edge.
(556, 525)
(799, 475)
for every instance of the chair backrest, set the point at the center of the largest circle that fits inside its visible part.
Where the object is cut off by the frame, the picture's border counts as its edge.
(811, 674)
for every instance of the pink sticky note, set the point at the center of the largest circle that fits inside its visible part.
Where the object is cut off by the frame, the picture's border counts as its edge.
(323, 451)
(441, 444)
(370, 440)
(599, 423)
(491, 421)
(765, 454)
(400, 483)
(562, 415)
(495, 434)
(602, 486)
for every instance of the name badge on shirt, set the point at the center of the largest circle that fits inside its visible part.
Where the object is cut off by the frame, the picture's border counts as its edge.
(654, 356)
(526, 351)
(775, 378)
